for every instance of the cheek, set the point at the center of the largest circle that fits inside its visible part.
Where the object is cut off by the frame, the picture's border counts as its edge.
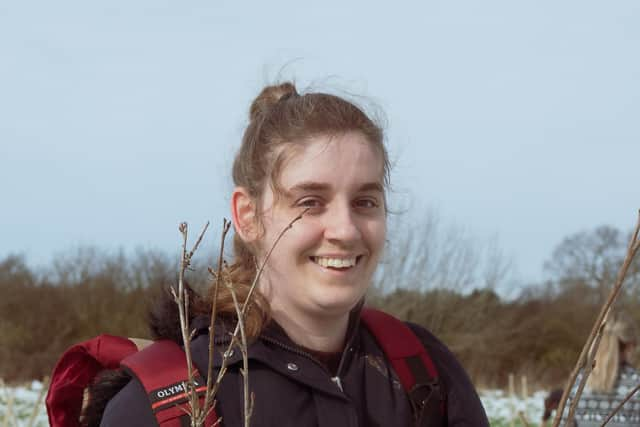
(297, 242)
(375, 233)
(306, 236)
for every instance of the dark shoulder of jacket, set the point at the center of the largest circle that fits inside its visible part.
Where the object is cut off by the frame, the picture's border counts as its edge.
(463, 403)
(129, 407)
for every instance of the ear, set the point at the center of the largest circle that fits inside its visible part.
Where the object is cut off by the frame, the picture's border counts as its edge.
(243, 214)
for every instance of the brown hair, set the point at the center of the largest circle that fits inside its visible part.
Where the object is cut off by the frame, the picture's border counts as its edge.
(281, 117)
(618, 330)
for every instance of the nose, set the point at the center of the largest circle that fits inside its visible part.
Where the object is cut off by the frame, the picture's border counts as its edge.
(340, 225)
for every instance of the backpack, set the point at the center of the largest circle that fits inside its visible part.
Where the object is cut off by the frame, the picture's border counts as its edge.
(161, 369)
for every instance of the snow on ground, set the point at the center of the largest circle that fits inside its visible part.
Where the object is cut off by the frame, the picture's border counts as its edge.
(500, 408)
(17, 405)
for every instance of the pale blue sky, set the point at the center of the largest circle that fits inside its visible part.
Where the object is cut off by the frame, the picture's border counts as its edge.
(119, 119)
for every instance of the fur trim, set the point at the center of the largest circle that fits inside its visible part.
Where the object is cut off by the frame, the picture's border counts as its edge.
(164, 319)
(164, 316)
(106, 385)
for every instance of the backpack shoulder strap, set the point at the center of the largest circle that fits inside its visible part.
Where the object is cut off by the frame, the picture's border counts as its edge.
(74, 372)
(412, 363)
(161, 368)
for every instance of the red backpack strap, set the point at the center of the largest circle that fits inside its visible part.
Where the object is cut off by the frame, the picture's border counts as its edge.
(161, 368)
(412, 364)
(75, 371)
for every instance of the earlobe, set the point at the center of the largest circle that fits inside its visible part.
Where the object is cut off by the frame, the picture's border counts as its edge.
(243, 214)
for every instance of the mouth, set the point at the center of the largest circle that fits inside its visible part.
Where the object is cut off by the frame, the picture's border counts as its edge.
(336, 263)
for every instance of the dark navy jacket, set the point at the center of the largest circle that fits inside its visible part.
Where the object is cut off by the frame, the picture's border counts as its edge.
(292, 388)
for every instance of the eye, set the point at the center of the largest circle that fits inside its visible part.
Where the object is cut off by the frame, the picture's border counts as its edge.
(309, 202)
(367, 203)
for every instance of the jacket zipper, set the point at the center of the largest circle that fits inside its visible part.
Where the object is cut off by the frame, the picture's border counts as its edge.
(336, 380)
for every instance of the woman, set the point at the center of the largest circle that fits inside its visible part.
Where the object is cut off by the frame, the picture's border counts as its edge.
(611, 380)
(311, 362)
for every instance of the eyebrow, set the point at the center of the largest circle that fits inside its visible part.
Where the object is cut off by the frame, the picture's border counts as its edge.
(371, 186)
(319, 186)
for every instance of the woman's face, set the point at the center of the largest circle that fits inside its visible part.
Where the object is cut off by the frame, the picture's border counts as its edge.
(324, 264)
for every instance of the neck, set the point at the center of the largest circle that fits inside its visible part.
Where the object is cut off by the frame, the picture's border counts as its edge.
(319, 334)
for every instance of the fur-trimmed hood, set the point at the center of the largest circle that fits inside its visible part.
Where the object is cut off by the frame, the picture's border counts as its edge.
(164, 316)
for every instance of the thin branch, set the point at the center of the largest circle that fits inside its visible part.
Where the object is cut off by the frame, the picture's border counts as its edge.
(234, 336)
(590, 347)
(523, 419)
(617, 408)
(9, 417)
(266, 258)
(184, 319)
(248, 408)
(195, 246)
(208, 401)
(39, 401)
(588, 368)
(245, 305)
(181, 298)
(198, 415)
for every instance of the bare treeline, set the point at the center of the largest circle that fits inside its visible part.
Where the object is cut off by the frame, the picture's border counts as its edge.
(428, 278)
(81, 295)
(539, 335)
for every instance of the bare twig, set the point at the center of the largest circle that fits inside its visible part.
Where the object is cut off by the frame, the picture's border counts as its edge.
(264, 262)
(198, 415)
(245, 306)
(588, 351)
(38, 404)
(208, 401)
(617, 408)
(183, 315)
(248, 407)
(523, 419)
(9, 417)
(198, 241)
(587, 367)
(181, 298)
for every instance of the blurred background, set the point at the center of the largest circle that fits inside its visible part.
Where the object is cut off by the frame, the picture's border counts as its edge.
(512, 128)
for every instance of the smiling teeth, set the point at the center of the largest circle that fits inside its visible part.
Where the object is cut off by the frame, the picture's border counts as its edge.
(335, 262)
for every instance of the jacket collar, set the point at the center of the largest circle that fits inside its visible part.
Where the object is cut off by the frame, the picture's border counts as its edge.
(275, 349)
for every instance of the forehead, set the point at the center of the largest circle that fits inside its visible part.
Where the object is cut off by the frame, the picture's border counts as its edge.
(340, 161)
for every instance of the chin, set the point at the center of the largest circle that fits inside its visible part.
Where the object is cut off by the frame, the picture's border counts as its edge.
(337, 305)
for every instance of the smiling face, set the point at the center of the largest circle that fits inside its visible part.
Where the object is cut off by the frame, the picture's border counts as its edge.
(324, 264)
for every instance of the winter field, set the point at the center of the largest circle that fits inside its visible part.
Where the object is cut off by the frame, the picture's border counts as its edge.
(20, 405)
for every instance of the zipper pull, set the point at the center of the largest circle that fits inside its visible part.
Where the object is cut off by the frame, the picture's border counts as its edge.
(337, 382)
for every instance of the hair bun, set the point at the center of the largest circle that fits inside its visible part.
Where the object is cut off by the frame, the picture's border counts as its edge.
(269, 97)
